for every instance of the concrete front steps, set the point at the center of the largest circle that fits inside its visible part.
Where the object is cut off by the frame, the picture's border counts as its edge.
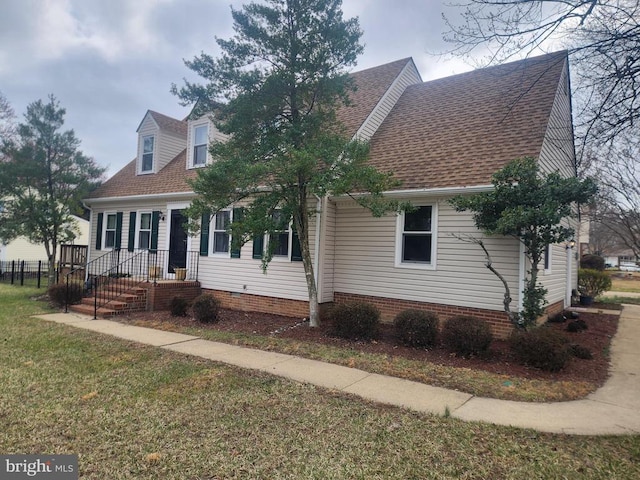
(132, 300)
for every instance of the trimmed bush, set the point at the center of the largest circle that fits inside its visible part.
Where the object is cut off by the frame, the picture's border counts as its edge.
(467, 335)
(593, 282)
(205, 308)
(542, 348)
(592, 262)
(355, 321)
(557, 318)
(417, 328)
(581, 352)
(58, 294)
(577, 326)
(179, 307)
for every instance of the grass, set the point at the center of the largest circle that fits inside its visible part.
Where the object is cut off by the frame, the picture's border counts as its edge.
(138, 412)
(630, 282)
(619, 300)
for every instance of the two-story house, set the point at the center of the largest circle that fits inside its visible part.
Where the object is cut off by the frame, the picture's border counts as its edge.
(440, 138)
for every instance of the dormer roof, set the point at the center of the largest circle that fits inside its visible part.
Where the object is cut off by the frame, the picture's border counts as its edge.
(166, 123)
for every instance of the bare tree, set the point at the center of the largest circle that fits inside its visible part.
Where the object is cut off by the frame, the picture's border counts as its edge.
(7, 119)
(602, 37)
(618, 170)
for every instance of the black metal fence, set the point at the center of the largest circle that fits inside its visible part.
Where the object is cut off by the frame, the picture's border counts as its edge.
(24, 272)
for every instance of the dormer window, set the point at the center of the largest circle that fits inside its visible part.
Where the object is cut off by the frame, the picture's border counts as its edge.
(147, 153)
(200, 140)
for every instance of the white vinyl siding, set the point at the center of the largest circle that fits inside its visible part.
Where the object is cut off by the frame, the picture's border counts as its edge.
(558, 155)
(139, 207)
(408, 76)
(167, 145)
(328, 252)
(365, 261)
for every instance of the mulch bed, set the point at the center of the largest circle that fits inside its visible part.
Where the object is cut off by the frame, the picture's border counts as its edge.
(596, 338)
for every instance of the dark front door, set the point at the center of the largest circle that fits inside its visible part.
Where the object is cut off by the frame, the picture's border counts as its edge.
(177, 242)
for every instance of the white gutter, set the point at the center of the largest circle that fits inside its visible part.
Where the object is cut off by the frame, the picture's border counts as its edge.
(127, 198)
(425, 191)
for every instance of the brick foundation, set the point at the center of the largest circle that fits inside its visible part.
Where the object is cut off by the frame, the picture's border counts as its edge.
(390, 307)
(159, 295)
(247, 302)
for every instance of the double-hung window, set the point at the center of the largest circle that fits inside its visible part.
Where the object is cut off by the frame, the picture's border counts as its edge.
(147, 153)
(144, 231)
(200, 140)
(110, 231)
(221, 238)
(415, 237)
(280, 236)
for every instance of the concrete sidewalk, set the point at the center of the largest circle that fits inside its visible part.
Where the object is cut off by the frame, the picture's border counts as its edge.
(613, 409)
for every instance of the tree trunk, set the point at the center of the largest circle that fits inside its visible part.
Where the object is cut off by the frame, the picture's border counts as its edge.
(301, 223)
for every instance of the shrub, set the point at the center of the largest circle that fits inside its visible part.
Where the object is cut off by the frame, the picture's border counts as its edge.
(593, 282)
(541, 348)
(205, 308)
(557, 318)
(179, 307)
(467, 335)
(581, 352)
(592, 262)
(417, 328)
(577, 326)
(355, 321)
(59, 296)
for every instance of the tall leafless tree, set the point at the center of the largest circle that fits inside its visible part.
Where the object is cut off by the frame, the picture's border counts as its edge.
(603, 39)
(618, 211)
(7, 119)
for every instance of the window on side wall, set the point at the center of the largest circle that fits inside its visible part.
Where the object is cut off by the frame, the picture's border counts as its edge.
(200, 140)
(280, 237)
(415, 243)
(110, 231)
(144, 231)
(147, 153)
(548, 252)
(221, 237)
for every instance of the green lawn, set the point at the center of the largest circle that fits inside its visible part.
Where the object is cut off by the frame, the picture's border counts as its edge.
(139, 412)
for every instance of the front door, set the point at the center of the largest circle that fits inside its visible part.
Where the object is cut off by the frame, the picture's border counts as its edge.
(177, 242)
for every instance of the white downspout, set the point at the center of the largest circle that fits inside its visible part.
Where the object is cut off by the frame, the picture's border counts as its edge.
(316, 257)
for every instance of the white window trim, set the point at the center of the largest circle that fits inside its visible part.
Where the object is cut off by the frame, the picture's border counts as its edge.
(434, 240)
(105, 222)
(153, 158)
(212, 236)
(281, 258)
(139, 227)
(192, 142)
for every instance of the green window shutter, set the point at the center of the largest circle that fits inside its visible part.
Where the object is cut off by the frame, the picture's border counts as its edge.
(258, 246)
(296, 251)
(205, 225)
(155, 222)
(99, 232)
(238, 215)
(118, 242)
(132, 231)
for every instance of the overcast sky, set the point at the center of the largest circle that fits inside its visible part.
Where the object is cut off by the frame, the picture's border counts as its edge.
(108, 61)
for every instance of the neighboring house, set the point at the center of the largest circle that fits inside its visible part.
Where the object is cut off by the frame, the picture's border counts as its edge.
(22, 249)
(441, 138)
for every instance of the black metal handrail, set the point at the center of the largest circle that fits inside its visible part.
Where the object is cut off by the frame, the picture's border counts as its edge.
(116, 272)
